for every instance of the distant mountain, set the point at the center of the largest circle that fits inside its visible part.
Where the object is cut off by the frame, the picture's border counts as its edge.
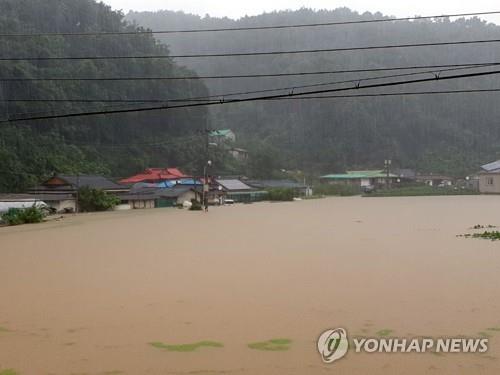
(438, 133)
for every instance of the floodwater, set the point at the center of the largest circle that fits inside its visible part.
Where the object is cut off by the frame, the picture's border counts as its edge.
(88, 294)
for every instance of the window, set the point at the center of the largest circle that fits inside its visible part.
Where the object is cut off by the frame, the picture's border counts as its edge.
(489, 181)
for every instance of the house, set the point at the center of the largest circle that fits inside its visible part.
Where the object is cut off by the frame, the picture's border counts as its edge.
(222, 136)
(155, 175)
(362, 179)
(301, 190)
(70, 184)
(154, 197)
(60, 191)
(435, 180)
(239, 153)
(239, 191)
(405, 175)
(489, 178)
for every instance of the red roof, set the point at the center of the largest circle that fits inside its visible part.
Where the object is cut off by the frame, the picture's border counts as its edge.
(155, 175)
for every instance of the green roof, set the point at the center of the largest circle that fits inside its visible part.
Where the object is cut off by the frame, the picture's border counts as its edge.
(220, 133)
(352, 175)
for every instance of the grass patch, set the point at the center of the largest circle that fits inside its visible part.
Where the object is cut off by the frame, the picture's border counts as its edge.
(418, 191)
(495, 329)
(186, 347)
(3, 329)
(479, 226)
(336, 190)
(487, 235)
(384, 332)
(9, 372)
(271, 345)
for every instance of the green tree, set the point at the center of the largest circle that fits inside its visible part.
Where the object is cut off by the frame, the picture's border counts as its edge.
(91, 200)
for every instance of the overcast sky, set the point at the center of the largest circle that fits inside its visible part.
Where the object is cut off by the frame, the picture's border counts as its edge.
(237, 9)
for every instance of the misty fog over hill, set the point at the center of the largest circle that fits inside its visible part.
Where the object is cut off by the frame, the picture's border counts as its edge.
(446, 133)
(438, 133)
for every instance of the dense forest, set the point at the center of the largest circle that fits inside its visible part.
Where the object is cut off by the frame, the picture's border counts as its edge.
(451, 134)
(115, 145)
(432, 133)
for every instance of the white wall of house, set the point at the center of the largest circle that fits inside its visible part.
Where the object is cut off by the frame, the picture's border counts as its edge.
(142, 204)
(365, 182)
(489, 183)
(187, 196)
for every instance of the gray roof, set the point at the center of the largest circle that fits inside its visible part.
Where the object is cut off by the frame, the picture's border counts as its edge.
(232, 185)
(490, 167)
(283, 184)
(74, 182)
(95, 182)
(405, 173)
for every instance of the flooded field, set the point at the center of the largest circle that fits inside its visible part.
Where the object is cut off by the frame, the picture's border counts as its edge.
(248, 289)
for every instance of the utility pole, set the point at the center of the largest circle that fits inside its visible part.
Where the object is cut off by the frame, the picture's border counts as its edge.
(387, 164)
(207, 163)
(77, 205)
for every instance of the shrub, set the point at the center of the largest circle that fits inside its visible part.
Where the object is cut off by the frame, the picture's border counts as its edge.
(339, 190)
(18, 216)
(196, 205)
(90, 200)
(422, 190)
(280, 195)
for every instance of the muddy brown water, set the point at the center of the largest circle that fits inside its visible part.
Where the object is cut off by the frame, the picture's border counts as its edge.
(86, 295)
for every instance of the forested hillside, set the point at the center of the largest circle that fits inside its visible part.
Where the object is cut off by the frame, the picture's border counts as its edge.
(115, 145)
(435, 133)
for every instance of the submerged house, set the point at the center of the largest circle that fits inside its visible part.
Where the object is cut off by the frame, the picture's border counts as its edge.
(362, 179)
(60, 191)
(300, 189)
(155, 197)
(405, 175)
(489, 178)
(239, 191)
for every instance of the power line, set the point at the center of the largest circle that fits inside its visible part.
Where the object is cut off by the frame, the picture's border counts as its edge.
(358, 86)
(350, 96)
(468, 91)
(214, 98)
(138, 101)
(248, 28)
(219, 97)
(232, 76)
(194, 137)
(244, 54)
